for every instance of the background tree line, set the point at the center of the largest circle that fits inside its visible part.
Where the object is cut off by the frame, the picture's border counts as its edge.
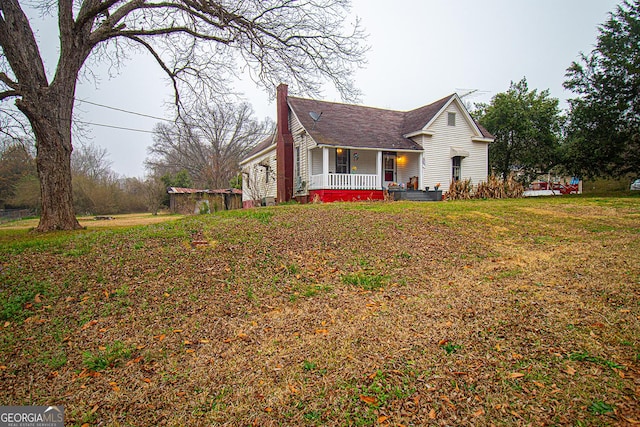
(202, 148)
(96, 188)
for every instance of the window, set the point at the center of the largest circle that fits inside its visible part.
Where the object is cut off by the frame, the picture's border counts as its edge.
(342, 160)
(451, 119)
(456, 169)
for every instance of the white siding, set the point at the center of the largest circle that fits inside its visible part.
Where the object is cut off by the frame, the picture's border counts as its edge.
(303, 140)
(437, 153)
(366, 162)
(255, 183)
(332, 160)
(316, 161)
(407, 166)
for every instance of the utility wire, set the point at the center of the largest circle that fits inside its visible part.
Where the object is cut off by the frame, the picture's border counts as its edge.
(123, 110)
(113, 127)
(146, 131)
(122, 127)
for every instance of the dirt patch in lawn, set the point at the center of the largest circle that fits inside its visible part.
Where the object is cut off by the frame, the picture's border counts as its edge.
(457, 313)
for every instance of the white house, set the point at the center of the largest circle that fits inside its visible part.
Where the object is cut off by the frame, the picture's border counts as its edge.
(332, 151)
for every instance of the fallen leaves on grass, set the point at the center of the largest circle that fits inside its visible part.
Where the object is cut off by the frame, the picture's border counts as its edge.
(370, 400)
(503, 342)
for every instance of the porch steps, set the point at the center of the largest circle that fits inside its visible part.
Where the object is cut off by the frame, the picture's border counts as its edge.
(417, 196)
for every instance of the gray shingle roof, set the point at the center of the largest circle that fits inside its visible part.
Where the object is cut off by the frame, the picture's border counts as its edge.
(357, 126)
(415, 120)
(262, 145)
(352, 125)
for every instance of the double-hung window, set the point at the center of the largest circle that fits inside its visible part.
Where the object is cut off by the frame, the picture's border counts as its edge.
(456, 168)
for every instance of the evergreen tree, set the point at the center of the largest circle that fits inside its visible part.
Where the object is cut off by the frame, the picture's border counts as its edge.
(604, 130)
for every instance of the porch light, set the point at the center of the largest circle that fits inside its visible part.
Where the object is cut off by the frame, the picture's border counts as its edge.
(339, 150)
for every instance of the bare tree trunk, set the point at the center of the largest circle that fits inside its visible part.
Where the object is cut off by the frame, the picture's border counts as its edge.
(50, 118)
(54, 171)
(47, 107)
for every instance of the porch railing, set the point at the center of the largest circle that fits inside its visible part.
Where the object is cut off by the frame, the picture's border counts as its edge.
(345, 181)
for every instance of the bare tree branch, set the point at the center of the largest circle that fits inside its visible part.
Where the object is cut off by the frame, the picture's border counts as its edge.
(160, 62)
(8, 94)
(173, 30)
(19, 45)
(6, 80)
(208, 142)
(91, 9)
(197, 43)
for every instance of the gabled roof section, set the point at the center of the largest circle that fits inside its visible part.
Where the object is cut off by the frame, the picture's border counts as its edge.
(417, 119)
(355, 126)
(421, 118)
(268, 142)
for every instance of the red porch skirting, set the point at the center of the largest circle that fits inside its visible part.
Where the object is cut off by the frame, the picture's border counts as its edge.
(345, 195)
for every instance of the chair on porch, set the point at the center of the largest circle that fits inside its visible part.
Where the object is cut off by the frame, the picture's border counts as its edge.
(413, 183)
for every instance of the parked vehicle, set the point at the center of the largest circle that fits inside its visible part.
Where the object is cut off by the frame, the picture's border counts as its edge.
(635, 185)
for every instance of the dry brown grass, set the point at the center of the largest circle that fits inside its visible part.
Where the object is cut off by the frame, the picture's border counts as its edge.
(90, 222)
(519, 312)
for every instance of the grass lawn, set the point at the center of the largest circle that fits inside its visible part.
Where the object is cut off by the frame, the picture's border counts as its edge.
(516, 312)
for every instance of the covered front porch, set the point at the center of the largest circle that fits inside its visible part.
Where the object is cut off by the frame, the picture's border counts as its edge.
(342, 168)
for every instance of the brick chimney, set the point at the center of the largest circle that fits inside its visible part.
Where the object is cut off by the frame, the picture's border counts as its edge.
(284, 147)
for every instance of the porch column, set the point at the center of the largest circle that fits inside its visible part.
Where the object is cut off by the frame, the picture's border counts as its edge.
(421, 168)
(325, 167)
(379, 169)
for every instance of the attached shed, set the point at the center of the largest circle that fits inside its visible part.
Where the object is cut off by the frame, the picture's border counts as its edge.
(189, 201)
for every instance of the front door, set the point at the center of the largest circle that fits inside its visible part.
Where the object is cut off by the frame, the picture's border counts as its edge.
(342, 160)
(388, 168)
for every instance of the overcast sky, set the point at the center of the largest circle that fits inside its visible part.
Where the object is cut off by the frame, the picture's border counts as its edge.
(421, 51)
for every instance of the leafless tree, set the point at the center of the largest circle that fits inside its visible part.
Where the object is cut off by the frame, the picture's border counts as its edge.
(208, 141)
(197, 43)
(91, 161)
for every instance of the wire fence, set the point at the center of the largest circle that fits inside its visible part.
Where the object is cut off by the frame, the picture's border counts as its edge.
(14, 214)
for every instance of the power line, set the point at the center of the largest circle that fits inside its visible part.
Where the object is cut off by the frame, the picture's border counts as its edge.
(128, 112)
(123, 127)
(114, 127)
(123, 110)
(142, 130)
